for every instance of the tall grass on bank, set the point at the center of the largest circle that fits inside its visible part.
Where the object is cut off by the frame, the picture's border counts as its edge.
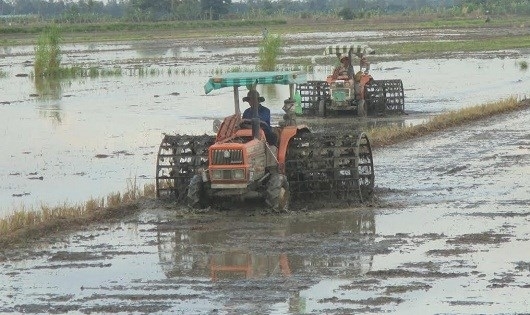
(25, 225)
(48, 53)
(390, 135)
(269, 50)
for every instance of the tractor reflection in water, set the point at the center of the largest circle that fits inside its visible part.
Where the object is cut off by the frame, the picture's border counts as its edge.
(208, 251)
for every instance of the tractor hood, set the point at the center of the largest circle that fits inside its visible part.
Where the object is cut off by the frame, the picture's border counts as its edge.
(356, 48)
(235, 79)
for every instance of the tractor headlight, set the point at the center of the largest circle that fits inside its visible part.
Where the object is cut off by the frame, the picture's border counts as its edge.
(234, 174)
(238, 174)
(217, 174)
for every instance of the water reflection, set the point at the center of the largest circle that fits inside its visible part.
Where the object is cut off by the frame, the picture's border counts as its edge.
(149, 49)
(229, 251)
(159, 50)
(49, 92)
(271, 91)
(48, 88)
(51, 110)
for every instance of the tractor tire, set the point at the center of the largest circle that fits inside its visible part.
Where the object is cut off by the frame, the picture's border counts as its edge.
(278, 195)
(178, 160)
(328, 167)
(197, 196)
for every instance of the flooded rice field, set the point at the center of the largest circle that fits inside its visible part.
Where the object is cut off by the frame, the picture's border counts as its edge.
(447, 234)
(86, 137)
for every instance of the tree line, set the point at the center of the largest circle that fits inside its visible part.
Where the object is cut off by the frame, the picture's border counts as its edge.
(166, 10)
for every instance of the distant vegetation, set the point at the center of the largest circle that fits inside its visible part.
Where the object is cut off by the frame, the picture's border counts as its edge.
(91, 11)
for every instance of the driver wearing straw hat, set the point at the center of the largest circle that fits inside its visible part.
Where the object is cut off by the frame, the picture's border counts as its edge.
(341, 72)
(254, 99)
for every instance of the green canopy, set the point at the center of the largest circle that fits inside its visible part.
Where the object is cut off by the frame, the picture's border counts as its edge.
(252, 78)
(357, 49)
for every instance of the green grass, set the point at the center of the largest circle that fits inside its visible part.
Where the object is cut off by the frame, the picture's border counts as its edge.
(418, 48)
(116, 27)
(116, 31)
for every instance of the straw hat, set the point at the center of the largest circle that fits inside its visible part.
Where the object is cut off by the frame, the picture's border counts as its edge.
(253, 94)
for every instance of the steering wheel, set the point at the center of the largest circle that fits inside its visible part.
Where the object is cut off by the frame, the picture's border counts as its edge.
(247, 124)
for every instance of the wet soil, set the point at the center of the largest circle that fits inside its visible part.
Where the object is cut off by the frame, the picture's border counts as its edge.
(447, 232)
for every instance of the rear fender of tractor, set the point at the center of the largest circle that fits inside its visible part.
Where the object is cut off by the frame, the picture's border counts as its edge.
(366, 79)
(286, 134)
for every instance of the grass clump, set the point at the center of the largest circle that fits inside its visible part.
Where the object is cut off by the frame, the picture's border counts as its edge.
(26, 225)
(390, 135)
(523, 65)
(48, 53)
(269, 51)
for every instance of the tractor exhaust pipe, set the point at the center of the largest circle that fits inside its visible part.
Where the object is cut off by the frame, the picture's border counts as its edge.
(255, 128)
(255, 117)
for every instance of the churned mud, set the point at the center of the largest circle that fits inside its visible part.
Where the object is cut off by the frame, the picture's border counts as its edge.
(447, 231)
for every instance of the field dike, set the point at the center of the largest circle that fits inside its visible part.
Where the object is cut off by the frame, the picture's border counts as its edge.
(26, 226)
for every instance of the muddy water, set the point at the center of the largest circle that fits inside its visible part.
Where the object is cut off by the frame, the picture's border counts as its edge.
(448, 234)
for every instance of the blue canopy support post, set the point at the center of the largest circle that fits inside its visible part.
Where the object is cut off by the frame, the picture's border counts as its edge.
(291, 91)
(255, 114)
(237, 109)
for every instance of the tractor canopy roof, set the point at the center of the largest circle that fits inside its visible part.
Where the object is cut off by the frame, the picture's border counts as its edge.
(252, 78)
(356, 48)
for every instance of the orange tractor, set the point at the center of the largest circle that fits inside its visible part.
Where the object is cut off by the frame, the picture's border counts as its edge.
(239, 163)
(355, 94)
